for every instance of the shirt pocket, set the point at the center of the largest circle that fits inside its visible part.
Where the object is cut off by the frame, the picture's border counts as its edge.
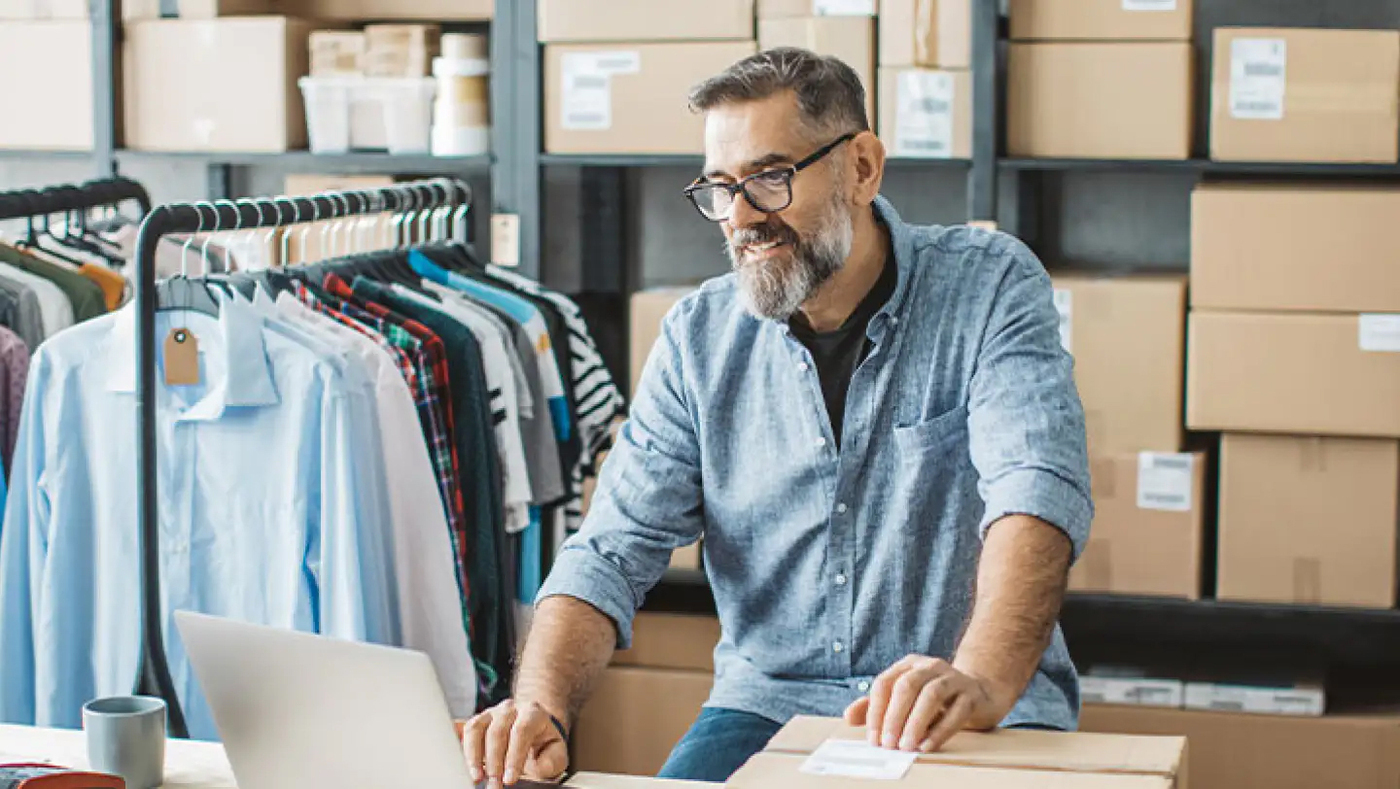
(932, 436)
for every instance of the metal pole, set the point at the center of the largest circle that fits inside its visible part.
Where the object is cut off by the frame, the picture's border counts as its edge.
(105, 31)
(982, 178)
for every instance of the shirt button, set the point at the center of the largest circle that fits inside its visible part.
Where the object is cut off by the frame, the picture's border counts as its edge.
(840, 579)
(837, 647)
(863, 686)
(841, 508)
(821, 442)
(802, 367)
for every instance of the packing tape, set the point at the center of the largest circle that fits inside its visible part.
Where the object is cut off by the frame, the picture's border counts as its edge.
(1307, 580)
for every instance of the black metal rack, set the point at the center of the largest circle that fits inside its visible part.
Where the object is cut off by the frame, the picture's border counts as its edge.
(51, 200)
(154, 675)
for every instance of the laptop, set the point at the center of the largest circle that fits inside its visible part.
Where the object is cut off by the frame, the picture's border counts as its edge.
(296, 710)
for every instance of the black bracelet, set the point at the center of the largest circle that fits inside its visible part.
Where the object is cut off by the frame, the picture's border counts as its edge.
(560, 726)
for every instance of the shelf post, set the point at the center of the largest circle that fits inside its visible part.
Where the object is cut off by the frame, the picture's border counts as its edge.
(982, 178)
(105, 18)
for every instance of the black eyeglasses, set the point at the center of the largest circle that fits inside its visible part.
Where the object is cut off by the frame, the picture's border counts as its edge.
(768, 191)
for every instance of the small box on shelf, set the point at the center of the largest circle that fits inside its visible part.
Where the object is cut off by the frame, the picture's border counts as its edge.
(926, 33)
(926, 113)
(34, 10)
(337, 53)
(401, 50)
(134, 10)
(1102, 20)
(41, 61)
(582, 21)
(851, 39)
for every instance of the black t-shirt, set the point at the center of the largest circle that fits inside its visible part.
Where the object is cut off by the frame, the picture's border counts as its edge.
(838, 353)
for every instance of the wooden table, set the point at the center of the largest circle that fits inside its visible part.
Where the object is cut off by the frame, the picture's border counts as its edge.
(188, 765)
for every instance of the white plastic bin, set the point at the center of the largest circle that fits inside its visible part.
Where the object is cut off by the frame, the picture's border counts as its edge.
(369, 113)
(408, 112)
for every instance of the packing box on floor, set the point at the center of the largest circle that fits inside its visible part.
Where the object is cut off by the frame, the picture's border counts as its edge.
(1155, 761)
(649, 308)
(1099, 100)
(925, 113)
(926, 33)
(1149, 520)
(644, 20)
(635, 717)
(1328, 248)
(1302, 95)
(1239, 751)
(1294, 373)
(1308, 520)
(629, 98)
(850, 38)
(395, 10)
(46, 85)
(685, 642)
(1127, 337)
(782, 9)
(1113, 20)
(171, 65)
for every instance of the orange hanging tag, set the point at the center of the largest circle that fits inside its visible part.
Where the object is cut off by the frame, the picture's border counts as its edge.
(181, 358)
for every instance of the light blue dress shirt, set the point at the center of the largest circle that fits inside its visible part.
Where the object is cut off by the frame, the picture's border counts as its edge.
(264, 514)
(828, 565)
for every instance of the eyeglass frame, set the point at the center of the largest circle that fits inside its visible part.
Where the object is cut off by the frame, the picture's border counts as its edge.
(741, 186)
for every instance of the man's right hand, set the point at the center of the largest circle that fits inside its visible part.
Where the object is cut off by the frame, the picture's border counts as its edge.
(514, 740)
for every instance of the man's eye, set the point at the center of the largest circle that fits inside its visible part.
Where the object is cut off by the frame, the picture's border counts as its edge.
(772, 176)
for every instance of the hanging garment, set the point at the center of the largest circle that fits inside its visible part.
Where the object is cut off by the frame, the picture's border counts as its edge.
(55, 310)
(20, 311)
(14, 371)
(83, 295)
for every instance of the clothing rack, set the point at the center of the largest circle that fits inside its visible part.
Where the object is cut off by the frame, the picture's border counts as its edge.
(24, 203)
(417, 196)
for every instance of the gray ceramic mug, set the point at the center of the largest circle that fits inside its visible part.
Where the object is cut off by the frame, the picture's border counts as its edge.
(126, 737)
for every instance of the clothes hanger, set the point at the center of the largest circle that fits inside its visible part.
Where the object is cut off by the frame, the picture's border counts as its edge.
(180, 292)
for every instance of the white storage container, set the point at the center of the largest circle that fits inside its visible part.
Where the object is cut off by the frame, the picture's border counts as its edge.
(369, 113)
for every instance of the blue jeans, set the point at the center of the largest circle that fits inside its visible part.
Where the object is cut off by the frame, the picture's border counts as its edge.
(718, 744)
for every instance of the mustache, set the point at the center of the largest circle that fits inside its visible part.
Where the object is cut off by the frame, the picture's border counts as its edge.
(763, 234)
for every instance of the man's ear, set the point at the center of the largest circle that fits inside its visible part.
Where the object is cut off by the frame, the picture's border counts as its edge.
(866, 164)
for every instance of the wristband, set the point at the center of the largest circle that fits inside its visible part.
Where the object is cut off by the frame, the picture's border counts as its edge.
(563, 733)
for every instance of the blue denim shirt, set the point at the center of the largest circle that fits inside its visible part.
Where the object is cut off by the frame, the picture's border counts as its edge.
(829, 565)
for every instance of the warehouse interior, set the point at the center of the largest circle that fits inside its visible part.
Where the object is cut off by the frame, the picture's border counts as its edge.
(1209, 184)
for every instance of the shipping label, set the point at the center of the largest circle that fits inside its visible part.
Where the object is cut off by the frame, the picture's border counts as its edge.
(587, 87)
(843, 7)
(1380, 333)
(856, 759)
(1165, 481)
(1258, 78)
(924, 115)
(1149, 5)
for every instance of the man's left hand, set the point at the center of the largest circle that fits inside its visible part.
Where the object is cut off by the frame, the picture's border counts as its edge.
(920, 702)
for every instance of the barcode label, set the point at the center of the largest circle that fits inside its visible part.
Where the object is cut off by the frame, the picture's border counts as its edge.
(1258, 78)
(856, 759)
(1064, 305)
(1149, 5)
(589, 82)
(1165, 481)
(587, 87)
(924, 114)
(843, 7)
(1380, 333)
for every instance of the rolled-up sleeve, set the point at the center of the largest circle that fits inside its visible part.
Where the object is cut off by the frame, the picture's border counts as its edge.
(648, 500)
(1025, 419)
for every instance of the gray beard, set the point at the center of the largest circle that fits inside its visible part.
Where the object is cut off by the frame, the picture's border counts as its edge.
(775, 290)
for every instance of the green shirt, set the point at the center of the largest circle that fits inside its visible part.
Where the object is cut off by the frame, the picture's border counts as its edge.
(84, 294)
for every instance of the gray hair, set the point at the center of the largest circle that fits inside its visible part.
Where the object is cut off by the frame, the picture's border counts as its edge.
(830, 97)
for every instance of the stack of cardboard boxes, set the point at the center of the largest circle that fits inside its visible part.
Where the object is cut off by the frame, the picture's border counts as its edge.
(1295, 354)
(1100, 79)
(925, 82)
(844, 29)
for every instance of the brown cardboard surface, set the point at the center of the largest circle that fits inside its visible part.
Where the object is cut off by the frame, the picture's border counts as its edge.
(781, 771)
(684, 642)
(926, 33)
(172, 65)
(1289, 373)
(889, 105)
(1011, 748)
(1112, 20)
(34, 10)
(133, 10)
(401, 50)
(645, 20)
(60, 51)
(1128, 341)
(686, 557)
(635, 717)
(649, 307)
(1099, 100)
(605, 781)
(1308, 520)
(1340, 99)
(649, 109)
(305, 184)
(1236, 751)
(783, 9)
(1138, 551)
(393, 10)
(337, 52)
(1328, 248)
(849, 38)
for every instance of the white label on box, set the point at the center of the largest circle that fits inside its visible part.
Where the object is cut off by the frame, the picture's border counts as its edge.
(587, 77)
(1164, 481)
(1258, 78)
(1136, 692)
(1380, 333)
(1149, 5)
(856, 759)
(843, 7)
(1064, 304)
(1266, 701)
(924, 115)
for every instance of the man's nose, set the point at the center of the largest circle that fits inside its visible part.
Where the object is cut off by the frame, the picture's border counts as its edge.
(743, 214)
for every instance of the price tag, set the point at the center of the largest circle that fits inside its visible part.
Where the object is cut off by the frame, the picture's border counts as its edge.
(855, 759)
(1258, 78)
(181, 358)
(1165, 481)
(505, 239)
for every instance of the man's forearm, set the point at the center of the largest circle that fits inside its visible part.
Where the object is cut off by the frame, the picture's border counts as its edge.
(569, 646)
(1020, 586)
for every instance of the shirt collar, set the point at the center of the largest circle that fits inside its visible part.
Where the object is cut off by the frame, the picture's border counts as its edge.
(248, 380)
(901, 252)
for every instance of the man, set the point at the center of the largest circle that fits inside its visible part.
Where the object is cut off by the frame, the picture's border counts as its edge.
(852, 418)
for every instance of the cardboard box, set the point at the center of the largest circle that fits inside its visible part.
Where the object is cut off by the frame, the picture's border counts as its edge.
(135, 10)
(684, 642)
(635, 717)
(1104, 20)
(1308, 520)
(787, 9)
(1099, 100)
(644, 20)
(34, 10)
(394, 10)
(849, 38)
(170, 66)
(307, 184)
(788, 771)
(1127, 335)
(926, 34)
(1299, 95)
(337, 53)
(648, 309)
(686, 558)
(629, 98)
(401, 50)
(605, 781)
(1134, 691)
(46, 85)
(1304, 701)
(1017, 749)
(1294, 373)
(1325, 248)
(1235, 751)
(1149, 522)
(926, 114)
